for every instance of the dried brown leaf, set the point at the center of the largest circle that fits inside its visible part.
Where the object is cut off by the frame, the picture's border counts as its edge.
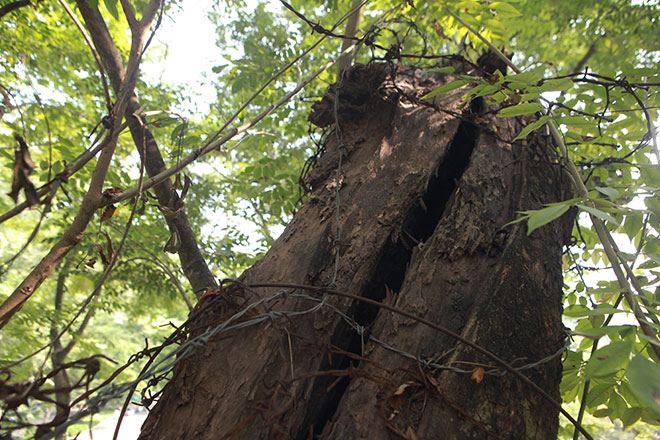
(108, 212)
(477, 374)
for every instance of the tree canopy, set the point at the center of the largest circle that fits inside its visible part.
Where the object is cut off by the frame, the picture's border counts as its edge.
(89, 270)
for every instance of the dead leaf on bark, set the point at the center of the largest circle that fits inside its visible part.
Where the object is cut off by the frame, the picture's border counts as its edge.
(399, 396)
(108, 212)
(111, 192)
(108, 248)
(173, 243)
(22, 168)
(477, 374)
(104, 258)
(411, 434)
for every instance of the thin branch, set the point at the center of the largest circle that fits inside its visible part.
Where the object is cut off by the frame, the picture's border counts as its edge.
(583, 61)
(170, 274)
(494, 49)
(574, 110)
(193, 263)
(216, 144)
(350, 33)
(90, 44)
(6, 9)
(130, 15)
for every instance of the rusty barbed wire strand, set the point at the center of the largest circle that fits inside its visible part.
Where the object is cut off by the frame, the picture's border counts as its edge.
(103, 396)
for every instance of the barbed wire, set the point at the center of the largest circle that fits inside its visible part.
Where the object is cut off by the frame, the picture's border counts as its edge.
(99, 398)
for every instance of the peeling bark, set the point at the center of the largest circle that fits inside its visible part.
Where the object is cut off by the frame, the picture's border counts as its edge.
(426, 190)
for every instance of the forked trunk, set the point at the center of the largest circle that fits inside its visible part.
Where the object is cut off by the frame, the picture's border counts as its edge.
(426, 189)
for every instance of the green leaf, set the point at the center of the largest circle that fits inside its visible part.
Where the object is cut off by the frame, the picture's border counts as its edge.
(578, 311)
(447, 69)
(505, 9)
(597, 333)
(644, 379)
(576, 121)
(602, 412)
(112, 8)
(456, 84)
(599, 394)
(609, 359)
(525, 78)
(556, 85)
(546, 215)
(481, 90)
(531, 127)
(520, 110)
(633, 224)
(617, 405)
(598, 213)
(630, 416)
(609, 192)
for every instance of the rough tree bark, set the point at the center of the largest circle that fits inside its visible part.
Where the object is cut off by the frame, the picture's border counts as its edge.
(426, 191)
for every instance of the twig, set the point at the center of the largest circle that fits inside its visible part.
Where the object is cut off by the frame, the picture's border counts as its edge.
(90, 44)
(170, 274)
(216, 144)
(6, 9)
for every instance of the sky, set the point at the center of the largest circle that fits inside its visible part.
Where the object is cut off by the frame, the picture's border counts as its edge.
(186, 39)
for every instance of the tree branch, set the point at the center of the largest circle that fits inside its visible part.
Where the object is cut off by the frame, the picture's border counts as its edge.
(72, 236)
(6, 9)
(170, 274)
(192, 261)
(352, 27)
(91, 201)
(583, 61)
(129, 14)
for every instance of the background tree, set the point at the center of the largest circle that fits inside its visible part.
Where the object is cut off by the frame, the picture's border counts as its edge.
(53, 97)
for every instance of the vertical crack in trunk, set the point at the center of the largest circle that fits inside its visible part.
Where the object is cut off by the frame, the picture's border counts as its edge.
(418, 226)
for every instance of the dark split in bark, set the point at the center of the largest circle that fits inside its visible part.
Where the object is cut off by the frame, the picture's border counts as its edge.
(426, 191)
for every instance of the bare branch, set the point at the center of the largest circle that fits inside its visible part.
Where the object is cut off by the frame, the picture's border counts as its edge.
(6, 9)
(90, 44)
(192, 261)
(583, 61)
(352, 27)
(130, 15)
(170, 274)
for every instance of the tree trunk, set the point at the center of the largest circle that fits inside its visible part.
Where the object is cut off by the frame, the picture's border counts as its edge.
(426, 190)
